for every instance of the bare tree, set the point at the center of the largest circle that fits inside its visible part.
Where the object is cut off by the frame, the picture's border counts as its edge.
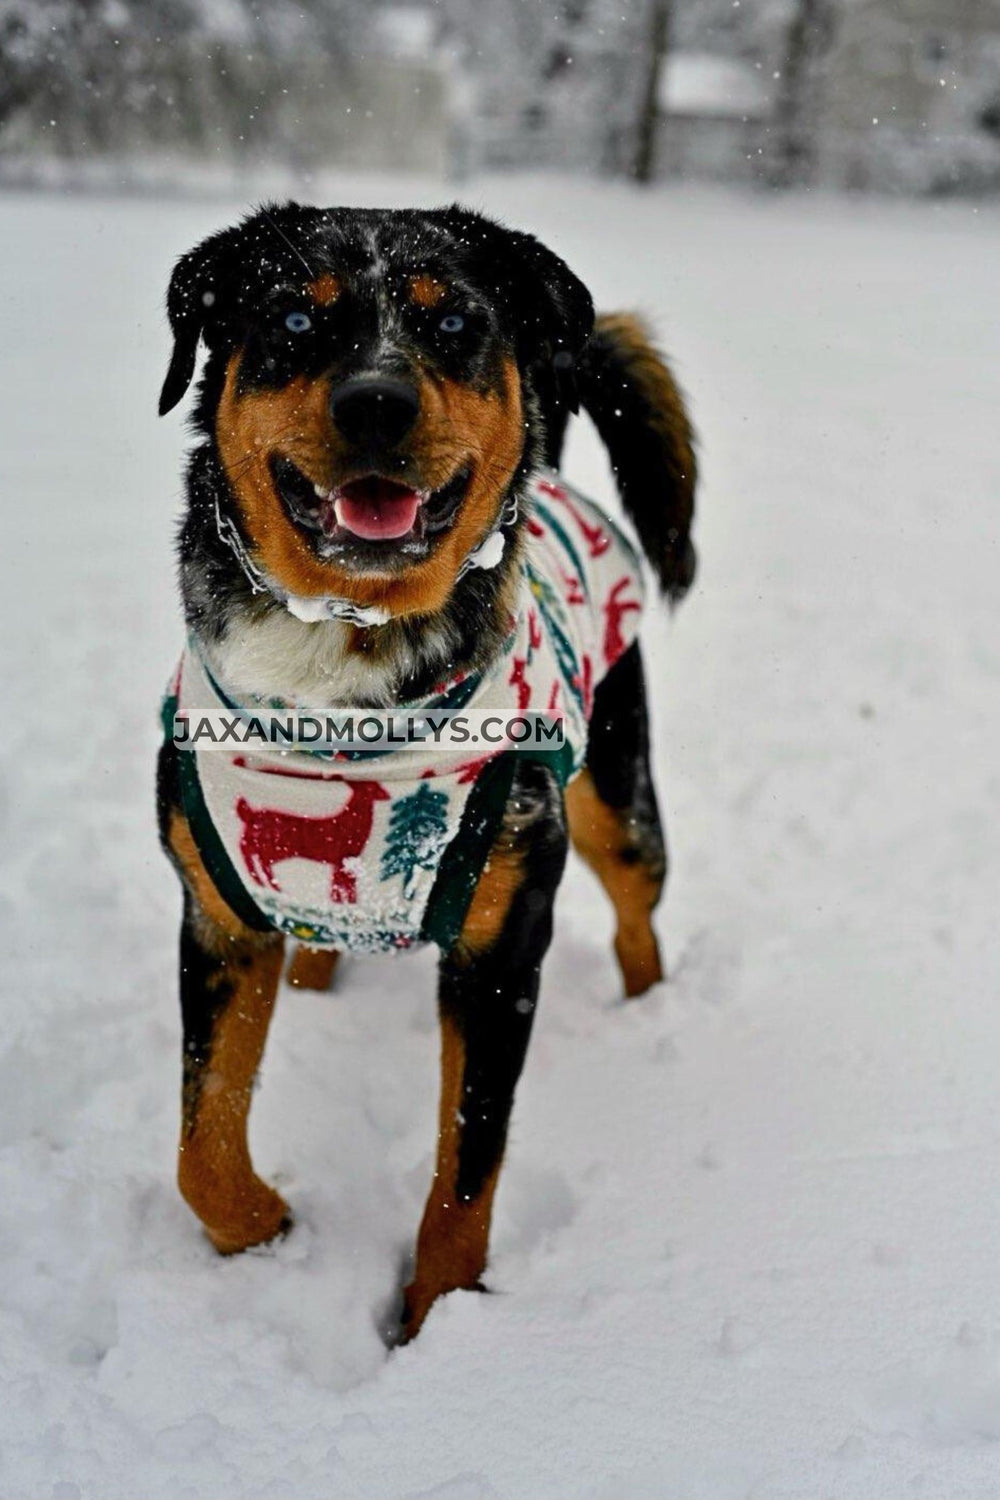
(85, 77)
(647, 126)
(808, 38)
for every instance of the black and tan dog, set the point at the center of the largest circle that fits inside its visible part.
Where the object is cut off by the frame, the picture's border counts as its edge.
(420, 367)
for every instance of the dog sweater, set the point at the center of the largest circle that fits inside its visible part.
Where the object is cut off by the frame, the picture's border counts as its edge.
(376, 851)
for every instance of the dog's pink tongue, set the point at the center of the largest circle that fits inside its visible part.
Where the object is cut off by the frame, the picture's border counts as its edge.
(376, 509)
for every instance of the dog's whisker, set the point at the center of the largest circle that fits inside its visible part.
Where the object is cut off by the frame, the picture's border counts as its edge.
(294, 248)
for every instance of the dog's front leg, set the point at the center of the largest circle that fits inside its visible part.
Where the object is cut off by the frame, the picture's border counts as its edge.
(488, 990)
(228, 982)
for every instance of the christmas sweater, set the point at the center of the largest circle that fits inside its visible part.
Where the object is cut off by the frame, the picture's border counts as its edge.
(376, 851)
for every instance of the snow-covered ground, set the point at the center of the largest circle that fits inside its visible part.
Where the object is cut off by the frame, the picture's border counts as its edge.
(748, 1237)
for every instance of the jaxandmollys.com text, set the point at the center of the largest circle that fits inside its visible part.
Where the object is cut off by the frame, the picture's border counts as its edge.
(364, 729)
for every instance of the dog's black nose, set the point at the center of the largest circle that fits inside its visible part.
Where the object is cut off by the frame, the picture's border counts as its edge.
(375, 413)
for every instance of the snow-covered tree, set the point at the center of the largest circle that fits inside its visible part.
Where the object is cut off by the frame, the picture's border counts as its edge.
(94, 76)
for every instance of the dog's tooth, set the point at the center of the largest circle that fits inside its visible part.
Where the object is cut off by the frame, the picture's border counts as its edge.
(321, 493)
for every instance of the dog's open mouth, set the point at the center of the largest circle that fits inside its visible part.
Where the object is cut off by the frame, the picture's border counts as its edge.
(371, 509)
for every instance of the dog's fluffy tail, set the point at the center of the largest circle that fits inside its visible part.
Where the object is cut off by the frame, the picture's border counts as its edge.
(628, 390)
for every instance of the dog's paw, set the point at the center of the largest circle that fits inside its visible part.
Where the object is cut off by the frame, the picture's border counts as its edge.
(262, 1216)
(417, 1303)
(414, 1310)
(638, 955)
(312, 968)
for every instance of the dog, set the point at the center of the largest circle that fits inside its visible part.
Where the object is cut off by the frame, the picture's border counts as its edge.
(375, 517)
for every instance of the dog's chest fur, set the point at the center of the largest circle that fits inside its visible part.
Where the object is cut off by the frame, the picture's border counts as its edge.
(320, 664)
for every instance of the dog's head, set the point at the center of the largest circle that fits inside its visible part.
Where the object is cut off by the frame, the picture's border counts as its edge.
(369, 387)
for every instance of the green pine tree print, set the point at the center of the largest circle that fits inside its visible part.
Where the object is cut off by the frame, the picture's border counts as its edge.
(417, 834)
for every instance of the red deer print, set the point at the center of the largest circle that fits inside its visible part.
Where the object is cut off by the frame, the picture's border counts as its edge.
(574, 592)
(471, 768)
(595, 536)
(271, 835)
(614, 609)
(518, 680)
(584, 684)
(467, 772)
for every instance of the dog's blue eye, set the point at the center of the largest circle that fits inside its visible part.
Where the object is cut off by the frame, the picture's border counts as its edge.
(298, 322)
(452, 323)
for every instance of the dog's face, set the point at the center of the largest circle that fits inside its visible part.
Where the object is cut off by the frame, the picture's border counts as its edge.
(370, 386)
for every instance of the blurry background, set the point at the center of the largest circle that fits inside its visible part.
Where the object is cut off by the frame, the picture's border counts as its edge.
(900, 95)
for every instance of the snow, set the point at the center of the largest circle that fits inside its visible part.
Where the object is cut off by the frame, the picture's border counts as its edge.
(406, 32)
(748, 1235)
(703, 83)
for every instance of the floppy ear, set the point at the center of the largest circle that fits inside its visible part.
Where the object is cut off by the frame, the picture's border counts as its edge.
(557, 310)
(193, 299)
(553, 309)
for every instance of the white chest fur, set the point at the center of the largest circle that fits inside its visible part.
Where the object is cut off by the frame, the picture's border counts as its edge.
(315, 664)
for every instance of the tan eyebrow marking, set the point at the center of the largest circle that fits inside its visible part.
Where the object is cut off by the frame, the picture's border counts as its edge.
(426, 290)
(326, 288)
